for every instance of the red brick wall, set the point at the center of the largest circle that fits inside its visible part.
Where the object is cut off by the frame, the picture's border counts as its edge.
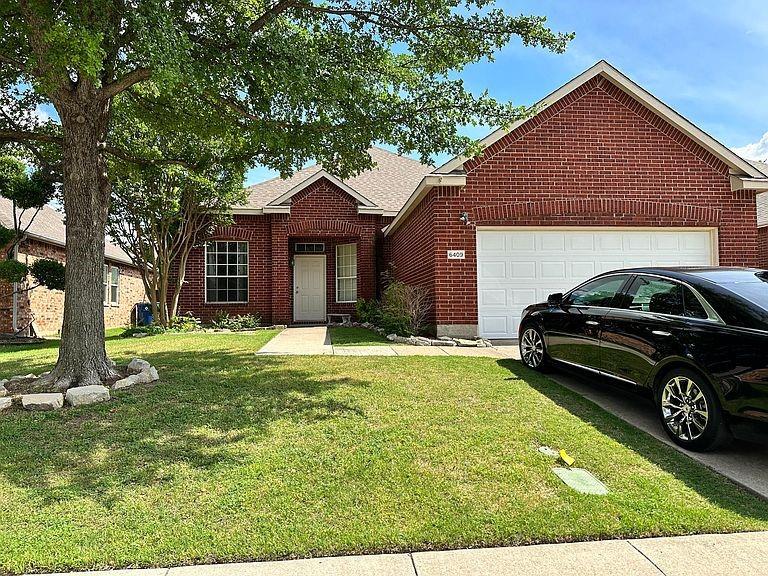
(320, 213)
(46, 306)
(597, 157)
(411, 251)
(762, 235)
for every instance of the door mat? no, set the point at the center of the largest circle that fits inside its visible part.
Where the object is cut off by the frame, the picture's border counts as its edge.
(581, 480)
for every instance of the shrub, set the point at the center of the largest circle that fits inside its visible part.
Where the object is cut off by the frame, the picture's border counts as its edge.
(12, 271)
(407, 307)
(49, 273)
(151, 330)
(368, 310)
(224, 321)
(184, 323)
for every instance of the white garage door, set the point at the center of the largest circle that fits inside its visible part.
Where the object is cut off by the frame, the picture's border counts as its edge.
(516, 268)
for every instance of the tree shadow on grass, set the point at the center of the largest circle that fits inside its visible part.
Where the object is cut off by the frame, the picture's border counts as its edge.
(207, 411)
(705, 482)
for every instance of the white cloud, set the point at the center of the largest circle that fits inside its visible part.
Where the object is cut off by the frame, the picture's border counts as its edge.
(41, 115)
(756, 150)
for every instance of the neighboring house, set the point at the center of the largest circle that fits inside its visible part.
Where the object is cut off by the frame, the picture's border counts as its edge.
(602, 177)
(46, 238)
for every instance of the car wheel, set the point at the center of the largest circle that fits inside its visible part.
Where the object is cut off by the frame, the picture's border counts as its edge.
(690, 411)
(533, 352)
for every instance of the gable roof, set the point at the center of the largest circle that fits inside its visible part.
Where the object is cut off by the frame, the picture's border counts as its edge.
(48, 226)
(387, 186)
(737, 164)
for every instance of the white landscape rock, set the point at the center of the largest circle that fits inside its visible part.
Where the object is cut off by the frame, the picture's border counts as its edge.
(42, 402)
(138, 365)
(3, 389)
(26, 377)
(83, 395)
(5, 404)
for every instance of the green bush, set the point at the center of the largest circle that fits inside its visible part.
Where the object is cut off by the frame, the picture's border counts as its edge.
(49, 273)
(223, 321)
(151, 330)
(368, 310)
(184, 323)
(12, 271)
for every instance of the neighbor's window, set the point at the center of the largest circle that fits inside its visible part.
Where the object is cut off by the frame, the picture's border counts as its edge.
(226, 272)
(111, 285)
(346, 273)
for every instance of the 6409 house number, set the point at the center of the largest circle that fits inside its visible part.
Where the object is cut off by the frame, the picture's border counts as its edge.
(455, 254)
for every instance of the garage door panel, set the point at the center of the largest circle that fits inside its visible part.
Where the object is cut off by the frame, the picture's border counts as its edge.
(493, 270)
(520, 267)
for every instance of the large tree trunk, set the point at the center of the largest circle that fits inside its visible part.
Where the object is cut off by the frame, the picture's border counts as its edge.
(82, 354)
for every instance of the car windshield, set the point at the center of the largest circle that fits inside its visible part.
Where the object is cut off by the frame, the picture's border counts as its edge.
(754, 291)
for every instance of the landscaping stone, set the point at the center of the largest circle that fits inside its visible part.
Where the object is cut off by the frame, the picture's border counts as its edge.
(140, 335)
(5, 404)
(126, 382)
(420, 341)
(448, 343)
(83, 395)
(42, 402)
(26, 377)
(465, 342)
(3, 390)
(138, 365)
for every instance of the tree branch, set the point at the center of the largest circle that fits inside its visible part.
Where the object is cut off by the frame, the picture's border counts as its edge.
(26, 136)
(12, 62)
(133, 77)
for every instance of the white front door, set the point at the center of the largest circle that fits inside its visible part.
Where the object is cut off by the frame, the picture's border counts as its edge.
(518, 267)
(309, 288)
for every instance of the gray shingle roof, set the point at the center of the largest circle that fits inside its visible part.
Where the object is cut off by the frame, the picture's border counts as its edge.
(48, 226)
(762, 166)
(388, 185)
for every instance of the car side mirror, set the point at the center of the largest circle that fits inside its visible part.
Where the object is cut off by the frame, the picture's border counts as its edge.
(555, 299)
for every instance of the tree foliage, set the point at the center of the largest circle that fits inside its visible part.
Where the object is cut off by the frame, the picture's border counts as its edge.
(28, 191)
(282, 81)
(160, 213)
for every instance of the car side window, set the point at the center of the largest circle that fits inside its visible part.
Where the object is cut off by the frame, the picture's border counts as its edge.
(648, 294)
(599, 292)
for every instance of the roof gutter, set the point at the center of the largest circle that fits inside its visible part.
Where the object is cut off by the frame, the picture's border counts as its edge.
(427, 183)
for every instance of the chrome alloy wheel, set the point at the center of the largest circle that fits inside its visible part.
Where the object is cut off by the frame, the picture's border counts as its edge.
(684, 408)
(532, 348)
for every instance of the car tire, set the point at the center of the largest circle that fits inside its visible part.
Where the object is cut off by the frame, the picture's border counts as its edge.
(533, 350)
(690, 411)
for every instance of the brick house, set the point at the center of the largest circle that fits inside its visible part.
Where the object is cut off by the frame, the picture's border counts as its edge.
(44, 308)
(603, 176)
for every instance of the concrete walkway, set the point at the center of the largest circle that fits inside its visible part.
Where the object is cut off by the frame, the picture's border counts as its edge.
(316, 340)
(706, 555)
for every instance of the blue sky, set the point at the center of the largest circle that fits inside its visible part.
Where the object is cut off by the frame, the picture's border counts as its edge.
(704, 58)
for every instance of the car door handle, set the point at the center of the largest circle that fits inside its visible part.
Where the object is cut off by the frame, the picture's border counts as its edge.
(661, 333)
(592, 323)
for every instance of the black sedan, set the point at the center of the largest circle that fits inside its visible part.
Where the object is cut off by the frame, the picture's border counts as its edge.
(696, 337)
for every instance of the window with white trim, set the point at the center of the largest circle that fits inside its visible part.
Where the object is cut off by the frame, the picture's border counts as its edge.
(346, 273)
(226, 272)
(111, 285)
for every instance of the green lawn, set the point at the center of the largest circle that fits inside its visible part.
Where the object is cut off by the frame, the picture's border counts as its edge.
(355, 336)
(234, 456)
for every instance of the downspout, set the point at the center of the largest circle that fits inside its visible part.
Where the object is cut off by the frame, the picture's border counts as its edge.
(15, 321)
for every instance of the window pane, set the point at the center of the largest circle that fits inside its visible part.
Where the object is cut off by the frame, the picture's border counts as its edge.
(227, 272)
(114, 294)
(599, 292)
(693, 307)
(658, 295)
